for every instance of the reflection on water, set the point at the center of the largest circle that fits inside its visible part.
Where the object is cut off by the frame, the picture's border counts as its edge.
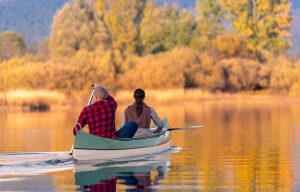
(136, 173)
(243, 147)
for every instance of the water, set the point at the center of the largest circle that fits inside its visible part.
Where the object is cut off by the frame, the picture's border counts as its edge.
(244, 146)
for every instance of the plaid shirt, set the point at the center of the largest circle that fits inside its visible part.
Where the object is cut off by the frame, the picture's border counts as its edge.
(103, 186)
(100, 118)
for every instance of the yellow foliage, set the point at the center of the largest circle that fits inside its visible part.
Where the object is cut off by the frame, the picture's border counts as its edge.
(176, 69)
(153, 71)
(231, 45)
(210, 74)
(245, 74)
(65, 74)
(284, 74)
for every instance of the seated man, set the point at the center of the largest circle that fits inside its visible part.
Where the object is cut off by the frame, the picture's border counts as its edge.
(100, 117)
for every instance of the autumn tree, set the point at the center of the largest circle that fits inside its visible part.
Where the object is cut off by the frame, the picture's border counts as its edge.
(230, 45)
(164, 28)
(11, 45)
(77, 27)
(209, 16)
(265, 24)
(122, 19)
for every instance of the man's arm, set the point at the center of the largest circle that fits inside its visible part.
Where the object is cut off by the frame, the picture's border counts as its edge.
(112, 101)
(81, 121)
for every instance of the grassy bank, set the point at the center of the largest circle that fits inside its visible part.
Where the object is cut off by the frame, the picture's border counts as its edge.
(46, 99)
(32, 99)
(172, 96)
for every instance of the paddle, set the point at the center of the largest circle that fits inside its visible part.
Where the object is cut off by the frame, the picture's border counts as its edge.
(89, 103)
(185, 128)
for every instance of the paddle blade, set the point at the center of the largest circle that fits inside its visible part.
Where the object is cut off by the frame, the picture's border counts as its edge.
(185, 128)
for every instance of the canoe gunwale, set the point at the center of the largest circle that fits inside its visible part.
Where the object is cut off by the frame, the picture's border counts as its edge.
(125, 148)
(87, 155)
(87, 141)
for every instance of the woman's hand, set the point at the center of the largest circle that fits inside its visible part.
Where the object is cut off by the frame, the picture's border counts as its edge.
(158, 130)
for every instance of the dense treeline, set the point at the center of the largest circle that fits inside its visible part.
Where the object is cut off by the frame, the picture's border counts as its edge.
(225, 46)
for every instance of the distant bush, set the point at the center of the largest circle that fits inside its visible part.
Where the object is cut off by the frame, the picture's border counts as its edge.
(66, 75)
(187, 68)
(153, 71)
(284, 74)
(178, 68)
(209, 74)
(244, 74)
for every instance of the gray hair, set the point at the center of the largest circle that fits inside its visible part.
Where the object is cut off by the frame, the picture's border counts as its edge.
(100, 92)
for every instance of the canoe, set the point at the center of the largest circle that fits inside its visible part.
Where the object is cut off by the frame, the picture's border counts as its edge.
(89, 147)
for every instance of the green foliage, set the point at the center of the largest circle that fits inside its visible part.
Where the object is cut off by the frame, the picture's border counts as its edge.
(164, 28)
(77, 27)
(11, 45)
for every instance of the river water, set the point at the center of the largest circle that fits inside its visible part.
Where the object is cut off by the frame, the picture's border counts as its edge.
(244, 146)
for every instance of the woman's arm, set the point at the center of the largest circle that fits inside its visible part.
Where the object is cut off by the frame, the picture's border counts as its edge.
(157, 121)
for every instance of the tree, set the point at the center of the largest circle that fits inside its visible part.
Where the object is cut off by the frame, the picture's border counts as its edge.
(265, 24)
(231, 45)
(122, 19)
(77, 27)
(164, 28)
(11, 44)
(209, 16)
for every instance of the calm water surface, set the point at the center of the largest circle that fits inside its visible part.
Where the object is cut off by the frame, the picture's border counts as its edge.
(243, 147)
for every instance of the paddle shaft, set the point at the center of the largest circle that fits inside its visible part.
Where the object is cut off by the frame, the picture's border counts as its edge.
(91, 97)
(184, 128)
(89, 103)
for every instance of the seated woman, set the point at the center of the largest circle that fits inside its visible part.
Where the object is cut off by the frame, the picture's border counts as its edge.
(142, 114)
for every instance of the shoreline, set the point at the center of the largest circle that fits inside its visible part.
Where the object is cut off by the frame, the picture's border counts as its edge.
(44, 100)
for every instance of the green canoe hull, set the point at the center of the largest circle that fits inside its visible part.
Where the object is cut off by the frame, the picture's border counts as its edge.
(88, 146)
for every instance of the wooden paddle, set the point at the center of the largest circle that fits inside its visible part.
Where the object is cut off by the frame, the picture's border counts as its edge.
(185, 128)
(89, 103)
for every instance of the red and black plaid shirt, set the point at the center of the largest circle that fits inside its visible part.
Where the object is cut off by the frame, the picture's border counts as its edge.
(100, 118)
(104, 186)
